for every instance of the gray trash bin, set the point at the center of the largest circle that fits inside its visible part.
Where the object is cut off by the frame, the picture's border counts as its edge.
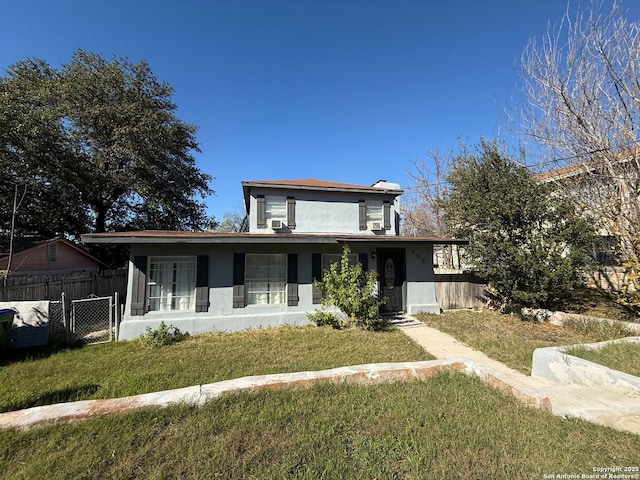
(6, 320)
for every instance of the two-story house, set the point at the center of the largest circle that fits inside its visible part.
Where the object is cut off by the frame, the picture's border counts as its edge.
(204, 281)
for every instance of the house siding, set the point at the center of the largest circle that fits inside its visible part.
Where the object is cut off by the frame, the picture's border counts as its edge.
(324, 212)
(221, 314)
(319, 218)
(36, 261)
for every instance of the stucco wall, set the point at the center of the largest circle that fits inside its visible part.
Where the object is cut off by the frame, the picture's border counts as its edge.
(420, 291)
(324, 212)
(221, 316)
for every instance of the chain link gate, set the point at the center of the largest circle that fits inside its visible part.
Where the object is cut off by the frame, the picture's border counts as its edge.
(92, 319)
(57, 324)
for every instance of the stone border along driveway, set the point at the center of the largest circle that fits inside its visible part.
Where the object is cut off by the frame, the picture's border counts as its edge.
(198, 395)
(553, 363)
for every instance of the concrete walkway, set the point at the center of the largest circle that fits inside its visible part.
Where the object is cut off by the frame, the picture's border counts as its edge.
(609, 406)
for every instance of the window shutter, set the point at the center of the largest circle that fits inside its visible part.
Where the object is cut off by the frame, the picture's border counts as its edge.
(292, 280)
(363, 258)
(291, 213)
(238, 280)
(261, 213)
(202, 283)
(316, 273)
(363, 214)
(138, 285)
(386, 215)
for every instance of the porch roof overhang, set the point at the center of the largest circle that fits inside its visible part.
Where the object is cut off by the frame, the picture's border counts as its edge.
(178, 237)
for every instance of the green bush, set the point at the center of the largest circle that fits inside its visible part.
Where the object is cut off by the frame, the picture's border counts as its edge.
(354, 292)
(322, 318)
(163, 335)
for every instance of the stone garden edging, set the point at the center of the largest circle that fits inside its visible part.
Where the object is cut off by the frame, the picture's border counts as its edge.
(554, 364)
(200, 394)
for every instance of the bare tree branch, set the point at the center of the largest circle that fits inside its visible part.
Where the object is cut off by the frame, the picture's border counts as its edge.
(583, 106)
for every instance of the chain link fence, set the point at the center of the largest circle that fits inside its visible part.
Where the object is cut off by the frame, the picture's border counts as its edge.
(57, 324)
(92, 320)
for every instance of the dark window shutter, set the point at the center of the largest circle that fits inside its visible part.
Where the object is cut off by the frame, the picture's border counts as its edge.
(363, 214)
(386, 215)
(292, 280)
(138, 285)
(238, 280)
(316, 273)
(363, 258)
(202, 284)
(291, 213)
(261, 213)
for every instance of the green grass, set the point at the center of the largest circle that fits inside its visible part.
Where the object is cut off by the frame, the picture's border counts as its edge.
(623, 356)
(449, 427)
(512, 341)
(127, 368)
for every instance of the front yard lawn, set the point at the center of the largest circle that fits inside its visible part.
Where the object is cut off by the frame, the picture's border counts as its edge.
(126, 368)
(509, 339)
(449, 427)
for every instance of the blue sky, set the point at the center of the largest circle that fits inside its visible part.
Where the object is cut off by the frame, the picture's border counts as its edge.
(344, 90)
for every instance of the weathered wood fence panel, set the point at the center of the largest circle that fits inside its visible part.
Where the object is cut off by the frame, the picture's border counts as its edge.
(459, 290)
(75, 285)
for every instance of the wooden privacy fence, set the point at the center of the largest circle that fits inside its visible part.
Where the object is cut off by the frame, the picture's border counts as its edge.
(459, 289)
(75, 285)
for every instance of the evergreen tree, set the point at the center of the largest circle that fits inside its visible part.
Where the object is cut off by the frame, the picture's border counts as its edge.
(525, 240)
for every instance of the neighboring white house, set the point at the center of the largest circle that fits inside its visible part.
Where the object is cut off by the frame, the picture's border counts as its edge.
(204, 281)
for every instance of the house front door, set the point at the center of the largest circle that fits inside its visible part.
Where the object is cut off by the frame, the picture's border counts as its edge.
(391, 276)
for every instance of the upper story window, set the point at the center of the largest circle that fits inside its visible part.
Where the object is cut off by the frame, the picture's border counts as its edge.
(172, 283)
(375, 215)
(276, 212)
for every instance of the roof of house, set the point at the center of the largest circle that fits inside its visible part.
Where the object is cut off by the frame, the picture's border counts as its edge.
(166, 237)
(314, 184)
(33, 244)
(563, 172)
(574, 169)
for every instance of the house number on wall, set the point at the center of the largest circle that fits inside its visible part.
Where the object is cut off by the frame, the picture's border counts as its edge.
(389, 273)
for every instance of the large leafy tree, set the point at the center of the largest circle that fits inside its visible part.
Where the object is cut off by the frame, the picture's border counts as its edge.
(525, 240)
(98, 147)
(34, 156)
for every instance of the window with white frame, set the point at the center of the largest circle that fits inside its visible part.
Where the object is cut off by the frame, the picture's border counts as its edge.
(265, 278)
(375, 215)
(276, 210)
(172, 283)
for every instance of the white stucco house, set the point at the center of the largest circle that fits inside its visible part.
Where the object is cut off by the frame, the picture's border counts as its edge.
(204, 281)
